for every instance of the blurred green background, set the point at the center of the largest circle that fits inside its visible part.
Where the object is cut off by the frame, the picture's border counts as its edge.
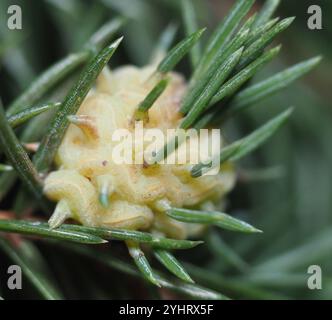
(285, 188)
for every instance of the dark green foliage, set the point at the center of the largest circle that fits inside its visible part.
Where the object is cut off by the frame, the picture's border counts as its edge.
(292, 211)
